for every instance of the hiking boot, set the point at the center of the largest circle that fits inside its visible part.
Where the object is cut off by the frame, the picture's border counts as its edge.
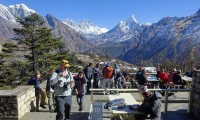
(80, 109)
(42, 106)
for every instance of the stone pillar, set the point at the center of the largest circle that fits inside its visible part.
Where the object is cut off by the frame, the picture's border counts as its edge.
(195, 97)
(15, 103)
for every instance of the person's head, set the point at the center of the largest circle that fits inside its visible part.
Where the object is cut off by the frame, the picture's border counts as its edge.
(97, 65)
(64, 64)
(140, 68)
(80, 74)
(174, 70)
(144, 91)
(162, 70)
(143, 71)
(193, 68)
(178, 72)
(90, 64)
(37, 74)
(108, 64)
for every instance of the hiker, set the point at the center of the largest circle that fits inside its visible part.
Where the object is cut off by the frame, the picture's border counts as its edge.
(50, 92)
(80, 89)
(125, 73)
(151, 105)
(39, 92)
(88, 76)
(107, 77)
(171, 77)
(63, 82)
(178, 79)
(141, 77)
(118, 77)
(96, 74)
(163, 77)
(191, 73)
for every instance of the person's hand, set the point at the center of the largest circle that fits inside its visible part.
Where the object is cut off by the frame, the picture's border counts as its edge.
(63, 74)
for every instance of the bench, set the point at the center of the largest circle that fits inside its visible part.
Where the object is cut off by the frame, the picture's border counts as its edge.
(127, 85)
(96, 111)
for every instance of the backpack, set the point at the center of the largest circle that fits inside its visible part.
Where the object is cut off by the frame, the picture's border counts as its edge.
(108, 72)
(118, 73)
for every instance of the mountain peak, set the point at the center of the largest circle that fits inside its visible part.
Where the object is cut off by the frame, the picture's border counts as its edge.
(198, 12)
(132, 18)
(21, 6)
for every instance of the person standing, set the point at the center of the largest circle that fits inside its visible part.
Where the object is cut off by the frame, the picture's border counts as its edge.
(80, 89)
(96, 74)
(88, 76)
(107, 76)
(141, 77)
(118, 77)
(39, 92)
(63, 82)
(49, 92)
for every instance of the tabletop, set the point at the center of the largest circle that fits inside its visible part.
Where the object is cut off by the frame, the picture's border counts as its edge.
(129, 100)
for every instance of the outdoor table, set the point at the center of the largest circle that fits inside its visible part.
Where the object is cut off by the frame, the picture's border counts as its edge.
(188, 81)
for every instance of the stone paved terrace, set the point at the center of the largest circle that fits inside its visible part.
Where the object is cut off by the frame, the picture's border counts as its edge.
(176, 111)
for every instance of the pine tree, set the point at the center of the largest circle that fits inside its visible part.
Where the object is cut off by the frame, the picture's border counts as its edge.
(37, 40)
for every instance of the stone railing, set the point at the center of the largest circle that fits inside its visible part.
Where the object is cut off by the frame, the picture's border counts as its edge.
(16, 102)
(195, 96)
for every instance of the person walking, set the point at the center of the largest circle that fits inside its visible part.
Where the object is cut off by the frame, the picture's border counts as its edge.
(80, 89)
(63, 82)
(96, 74)
(107, 77)
(88, 76)
(39, 92)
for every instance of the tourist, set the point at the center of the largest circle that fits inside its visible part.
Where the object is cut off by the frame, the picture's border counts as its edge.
(96, 74)
(178, 79)
(163, 77)
(191, 72)
(63, 82)
(141, 77)
(88, 76)
(50, 91)
(80, 82)
(39, 92)
(118, 77)
(125, 73)
(171, 77)
(151, 105)
(107, 77)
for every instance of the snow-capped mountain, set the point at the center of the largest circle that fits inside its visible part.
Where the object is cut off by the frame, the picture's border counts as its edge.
(11, 12)
(122, 32)
(85, 27)
(172, 38)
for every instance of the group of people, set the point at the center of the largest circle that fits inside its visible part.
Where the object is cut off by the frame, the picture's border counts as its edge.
(108, 73)
(61, 82)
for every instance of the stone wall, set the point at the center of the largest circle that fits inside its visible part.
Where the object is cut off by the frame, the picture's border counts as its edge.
(195, 96)
(15, 103)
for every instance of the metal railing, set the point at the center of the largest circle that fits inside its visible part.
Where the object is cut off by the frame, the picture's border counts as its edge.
(166, 100)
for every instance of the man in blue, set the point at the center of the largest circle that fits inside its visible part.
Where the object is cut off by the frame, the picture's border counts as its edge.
(88, 76)
(35, 80)
(63, 82)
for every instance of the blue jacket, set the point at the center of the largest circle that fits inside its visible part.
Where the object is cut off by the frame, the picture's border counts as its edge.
(35, 82)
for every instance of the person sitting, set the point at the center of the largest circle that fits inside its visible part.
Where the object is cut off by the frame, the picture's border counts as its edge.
(177, 79)
(151, 105)
(171, 77)
(163, 77)
(35, 80)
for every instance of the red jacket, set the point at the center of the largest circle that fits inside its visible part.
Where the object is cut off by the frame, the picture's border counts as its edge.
(164, 77)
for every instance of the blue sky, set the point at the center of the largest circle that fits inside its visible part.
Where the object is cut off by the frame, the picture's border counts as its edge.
(108, 13)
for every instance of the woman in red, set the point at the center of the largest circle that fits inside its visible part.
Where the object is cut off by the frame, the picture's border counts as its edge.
(163, 77)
